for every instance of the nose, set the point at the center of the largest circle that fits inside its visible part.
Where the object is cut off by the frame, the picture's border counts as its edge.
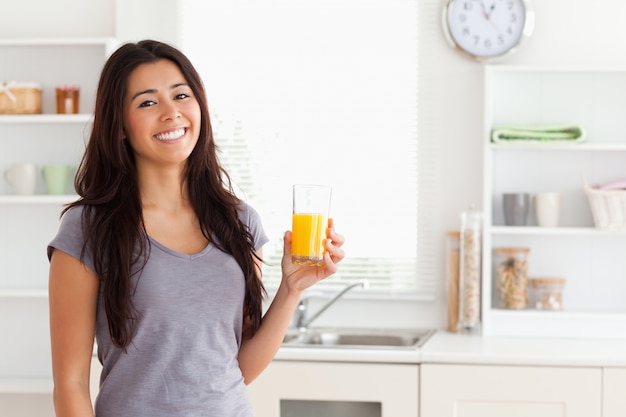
(170, 110)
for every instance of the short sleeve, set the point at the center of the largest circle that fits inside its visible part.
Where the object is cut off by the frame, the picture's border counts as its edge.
(251, 217)
(70, 237)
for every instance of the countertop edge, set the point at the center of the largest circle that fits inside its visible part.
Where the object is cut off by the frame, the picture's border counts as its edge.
(454, 348)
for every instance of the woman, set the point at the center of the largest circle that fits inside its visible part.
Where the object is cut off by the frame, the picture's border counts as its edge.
(160, 260)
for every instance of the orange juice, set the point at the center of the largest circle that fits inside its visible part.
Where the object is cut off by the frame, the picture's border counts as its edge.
(308, 235)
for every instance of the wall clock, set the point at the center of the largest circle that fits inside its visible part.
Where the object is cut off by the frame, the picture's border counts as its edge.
(486, 30)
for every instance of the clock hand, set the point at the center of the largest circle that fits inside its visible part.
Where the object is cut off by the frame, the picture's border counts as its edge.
(484, 10)
(487, 15)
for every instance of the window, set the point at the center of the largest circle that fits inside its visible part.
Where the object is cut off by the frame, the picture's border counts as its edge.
(319, 92)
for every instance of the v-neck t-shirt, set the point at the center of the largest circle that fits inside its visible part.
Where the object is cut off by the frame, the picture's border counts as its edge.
(182, 360)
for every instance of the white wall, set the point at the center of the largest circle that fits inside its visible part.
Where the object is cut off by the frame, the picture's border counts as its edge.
(567, 32)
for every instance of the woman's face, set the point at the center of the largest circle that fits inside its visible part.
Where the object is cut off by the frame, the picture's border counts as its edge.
(161, 115)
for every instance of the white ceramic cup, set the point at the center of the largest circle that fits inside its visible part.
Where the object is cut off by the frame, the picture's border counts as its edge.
(22, 178)
(548, 209)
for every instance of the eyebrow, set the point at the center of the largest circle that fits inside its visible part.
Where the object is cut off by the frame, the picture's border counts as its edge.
(152, 90)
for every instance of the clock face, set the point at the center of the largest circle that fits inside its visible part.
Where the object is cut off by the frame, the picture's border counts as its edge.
(484, 29)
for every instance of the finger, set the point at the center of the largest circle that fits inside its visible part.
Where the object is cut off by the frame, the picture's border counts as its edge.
(335, 252)
(287, 243)
(330, 265)
(336, 238)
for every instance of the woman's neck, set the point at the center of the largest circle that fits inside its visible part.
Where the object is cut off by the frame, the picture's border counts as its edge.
(162, 188)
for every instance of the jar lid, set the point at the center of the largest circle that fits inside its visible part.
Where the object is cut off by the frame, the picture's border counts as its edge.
(453, 233)
(547, 281)
(511, 250)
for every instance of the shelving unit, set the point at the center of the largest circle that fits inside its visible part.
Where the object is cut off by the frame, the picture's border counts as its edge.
(590, 259)
(28, 223)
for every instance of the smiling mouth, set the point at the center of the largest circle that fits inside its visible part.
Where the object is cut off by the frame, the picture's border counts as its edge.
(172, 135)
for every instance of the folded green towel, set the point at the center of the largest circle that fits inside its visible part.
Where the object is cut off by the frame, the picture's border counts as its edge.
(538, 133)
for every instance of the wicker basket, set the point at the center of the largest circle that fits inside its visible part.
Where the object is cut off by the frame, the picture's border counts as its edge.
(608, 207)
(20, 98)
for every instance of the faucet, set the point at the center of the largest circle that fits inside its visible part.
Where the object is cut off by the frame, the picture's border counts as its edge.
(303, 322)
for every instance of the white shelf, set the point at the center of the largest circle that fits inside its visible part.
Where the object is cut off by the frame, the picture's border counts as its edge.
(28, 223)
(553, 231)
(590, 259)
(558, 314)
(23, 293)
(44, 118)
(42, 199)
(106, 42)
(565, 324)
(25, 385)
(546, 146)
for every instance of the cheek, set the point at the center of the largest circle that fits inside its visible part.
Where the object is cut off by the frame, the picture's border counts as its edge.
(132, 126)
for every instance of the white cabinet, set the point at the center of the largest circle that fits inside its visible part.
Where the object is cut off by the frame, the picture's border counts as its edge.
(614, 400)
(512, 391)
(28, 223)
(335, 389)
(591, 260)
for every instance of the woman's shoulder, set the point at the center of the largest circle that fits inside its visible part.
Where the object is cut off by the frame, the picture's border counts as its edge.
(247, 213)
(73, 214)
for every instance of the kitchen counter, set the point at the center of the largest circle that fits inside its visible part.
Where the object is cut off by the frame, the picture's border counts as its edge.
(445, 347)
(351, 354)
(453, 348)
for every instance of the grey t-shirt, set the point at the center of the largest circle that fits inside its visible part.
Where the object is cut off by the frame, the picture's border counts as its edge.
(182, 361)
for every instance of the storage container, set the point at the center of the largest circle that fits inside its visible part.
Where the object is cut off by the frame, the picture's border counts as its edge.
(511, 277)
(470, 270)
(547, 293)
(453, 255)
(608, 207)
(20, 98)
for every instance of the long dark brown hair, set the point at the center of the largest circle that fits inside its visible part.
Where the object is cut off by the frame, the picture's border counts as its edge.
(112, 216)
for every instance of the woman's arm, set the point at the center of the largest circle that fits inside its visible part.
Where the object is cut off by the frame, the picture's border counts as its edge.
(73, 295)
(257, 352)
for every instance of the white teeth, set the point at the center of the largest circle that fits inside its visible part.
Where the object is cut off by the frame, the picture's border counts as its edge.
(175, 134)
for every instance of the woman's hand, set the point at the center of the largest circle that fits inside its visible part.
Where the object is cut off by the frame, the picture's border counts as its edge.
(300, 277)
(257, 352)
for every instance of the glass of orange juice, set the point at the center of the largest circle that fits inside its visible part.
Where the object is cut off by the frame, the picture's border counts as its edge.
(311, 204)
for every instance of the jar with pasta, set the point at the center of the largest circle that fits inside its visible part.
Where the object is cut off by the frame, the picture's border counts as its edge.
(470, 270)
(511, 277)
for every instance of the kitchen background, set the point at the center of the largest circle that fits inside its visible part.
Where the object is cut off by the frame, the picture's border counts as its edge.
(567, 33)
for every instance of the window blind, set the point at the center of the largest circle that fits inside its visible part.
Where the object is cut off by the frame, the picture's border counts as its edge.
(320, 92)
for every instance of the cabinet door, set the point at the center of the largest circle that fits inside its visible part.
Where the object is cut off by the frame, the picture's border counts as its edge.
(390, 390)
(614, 400)
(511, 391)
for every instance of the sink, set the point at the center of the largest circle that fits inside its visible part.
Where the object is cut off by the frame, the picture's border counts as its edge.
(357, 338)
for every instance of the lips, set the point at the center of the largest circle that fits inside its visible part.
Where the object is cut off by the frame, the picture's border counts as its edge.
(171, 135)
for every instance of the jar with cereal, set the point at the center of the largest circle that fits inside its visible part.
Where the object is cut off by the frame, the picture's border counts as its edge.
(511, 272)
(470, 271)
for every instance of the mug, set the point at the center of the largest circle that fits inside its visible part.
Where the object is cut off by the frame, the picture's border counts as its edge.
(22, 178)
(55, 177)
(516, 207)
(547, 209)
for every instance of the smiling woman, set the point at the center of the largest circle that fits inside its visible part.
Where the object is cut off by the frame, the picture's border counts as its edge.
(161, 116)
(289, 81)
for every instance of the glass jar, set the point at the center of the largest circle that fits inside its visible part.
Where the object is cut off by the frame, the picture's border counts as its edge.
(453, 246)
(67, 99)
(470, 272)
(547, 293)
(511, 277)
